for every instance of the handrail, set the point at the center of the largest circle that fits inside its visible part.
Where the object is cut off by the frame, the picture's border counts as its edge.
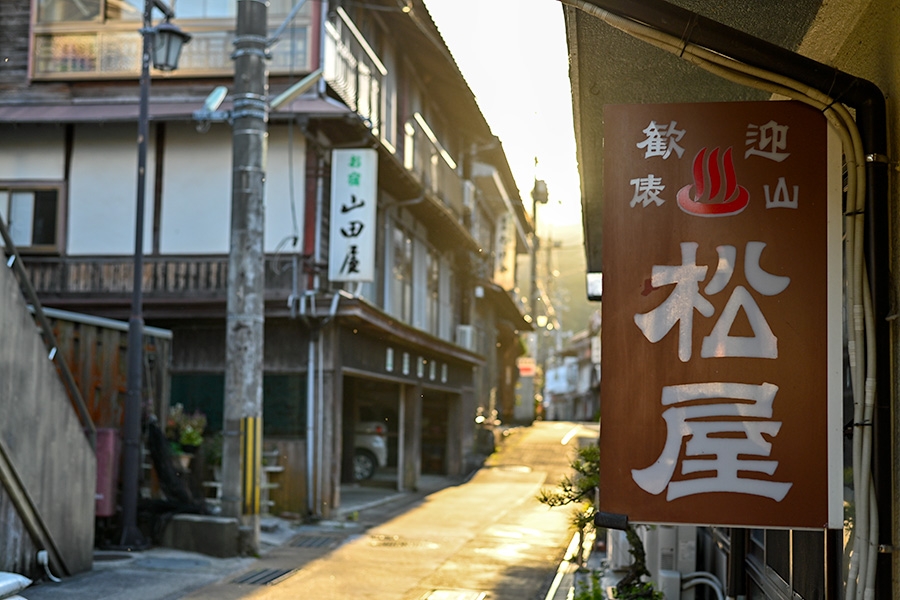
(68, 380)
(354, 71)
(28, 512)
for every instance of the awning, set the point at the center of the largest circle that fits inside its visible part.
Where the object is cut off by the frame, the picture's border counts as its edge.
(506, 305)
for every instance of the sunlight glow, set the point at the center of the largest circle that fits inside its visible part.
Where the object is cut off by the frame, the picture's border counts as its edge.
(513, 55)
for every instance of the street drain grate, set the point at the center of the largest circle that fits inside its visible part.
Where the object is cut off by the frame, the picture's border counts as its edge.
(313, 541)
(263, 576)
(394, 541)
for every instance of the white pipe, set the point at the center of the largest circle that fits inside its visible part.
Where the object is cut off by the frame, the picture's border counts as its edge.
(320, 427)
(401, 439)
(869, 588)
(861, 346)
(707, 574)
(714, 584)
(310, 420)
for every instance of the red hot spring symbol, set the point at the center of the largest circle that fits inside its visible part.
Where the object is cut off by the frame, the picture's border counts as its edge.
(709, 195)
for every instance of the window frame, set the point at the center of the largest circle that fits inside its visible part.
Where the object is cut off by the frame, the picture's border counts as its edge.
(215, 30)
(402, 273)
(61, 204)
(432, 291)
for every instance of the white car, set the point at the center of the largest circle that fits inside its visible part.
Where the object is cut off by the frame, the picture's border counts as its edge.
(369, 449)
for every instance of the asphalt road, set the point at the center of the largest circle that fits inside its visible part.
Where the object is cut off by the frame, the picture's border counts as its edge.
(488, 537)
(482, 538)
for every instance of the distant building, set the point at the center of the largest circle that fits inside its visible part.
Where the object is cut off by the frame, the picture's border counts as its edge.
(422, 344)
(572, 385)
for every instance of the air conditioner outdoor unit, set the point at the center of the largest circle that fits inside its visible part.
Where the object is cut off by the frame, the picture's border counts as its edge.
(465, 337)
(671, 549)
(617, 550)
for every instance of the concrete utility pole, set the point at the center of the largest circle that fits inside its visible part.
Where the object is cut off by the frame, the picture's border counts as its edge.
(241, 459)
(539, 195)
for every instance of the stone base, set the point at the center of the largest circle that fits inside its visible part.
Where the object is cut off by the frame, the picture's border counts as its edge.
(214, 536)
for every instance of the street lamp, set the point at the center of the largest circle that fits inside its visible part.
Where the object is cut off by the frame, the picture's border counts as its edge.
(164, 43)
(168, 40)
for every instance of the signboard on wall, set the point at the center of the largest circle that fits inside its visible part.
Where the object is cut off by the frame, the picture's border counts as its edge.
(354, 195)
(721, 315)
(527, 366)
(505, 252)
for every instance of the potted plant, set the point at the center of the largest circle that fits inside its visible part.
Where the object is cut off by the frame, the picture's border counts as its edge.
(185, 431)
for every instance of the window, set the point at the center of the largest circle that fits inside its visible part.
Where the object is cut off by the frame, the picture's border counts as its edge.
(402, 275)
(86, 38)
(57, 11)
(61, 11)
(432, 300)
(786, 563)
(284, 400)
(32, 215)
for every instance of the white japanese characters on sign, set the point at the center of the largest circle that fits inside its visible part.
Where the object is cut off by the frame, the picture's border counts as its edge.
(718, 237)
(354, 195)
(748, 414)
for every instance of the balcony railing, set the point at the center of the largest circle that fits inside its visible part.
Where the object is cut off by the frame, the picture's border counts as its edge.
(202, 277)
(435, 169)
(353, 69)
(91, 50)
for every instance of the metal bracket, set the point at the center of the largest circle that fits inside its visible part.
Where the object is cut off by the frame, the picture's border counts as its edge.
(611, 520)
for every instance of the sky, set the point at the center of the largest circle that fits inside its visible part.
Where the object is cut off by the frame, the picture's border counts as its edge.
(513, 55)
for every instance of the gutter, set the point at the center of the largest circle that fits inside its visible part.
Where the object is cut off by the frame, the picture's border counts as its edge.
(869, 102)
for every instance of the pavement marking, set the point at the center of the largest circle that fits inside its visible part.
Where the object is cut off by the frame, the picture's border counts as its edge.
(568, 437)
(565, 567)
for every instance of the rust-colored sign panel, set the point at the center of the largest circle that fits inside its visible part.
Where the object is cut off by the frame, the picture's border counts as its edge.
(721, 315)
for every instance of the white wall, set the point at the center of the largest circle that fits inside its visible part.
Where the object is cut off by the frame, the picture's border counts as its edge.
(197, 195)
(35, 152)
(196, 198)
(103, 190)
(280, 223)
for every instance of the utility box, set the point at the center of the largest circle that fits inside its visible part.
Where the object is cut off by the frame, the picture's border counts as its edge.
(671, 549)
(107, 471)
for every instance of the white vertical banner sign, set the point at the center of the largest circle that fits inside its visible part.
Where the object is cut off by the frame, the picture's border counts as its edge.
(354, 194)
(505, 256)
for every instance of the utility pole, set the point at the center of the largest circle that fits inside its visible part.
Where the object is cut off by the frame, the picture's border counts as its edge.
(242, 445)
(539, 195)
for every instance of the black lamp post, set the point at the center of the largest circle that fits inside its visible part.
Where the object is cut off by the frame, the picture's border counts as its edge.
(164, 42)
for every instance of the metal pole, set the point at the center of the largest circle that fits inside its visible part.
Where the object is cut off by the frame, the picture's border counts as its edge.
(535, 243)
(241, 460)
(131, 453)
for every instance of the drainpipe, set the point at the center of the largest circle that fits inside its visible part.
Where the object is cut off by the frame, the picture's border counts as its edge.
(869, 102)
(314, 407)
